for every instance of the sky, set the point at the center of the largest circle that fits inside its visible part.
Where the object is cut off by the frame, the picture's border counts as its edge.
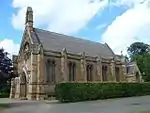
(118, 23)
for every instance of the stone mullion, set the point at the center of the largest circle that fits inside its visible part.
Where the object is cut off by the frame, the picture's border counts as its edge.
(121, 73)
(64, 66)
(112, 69)
(83, 67)
(99, 69)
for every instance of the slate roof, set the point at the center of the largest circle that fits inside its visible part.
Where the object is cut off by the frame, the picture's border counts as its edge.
(57, 42)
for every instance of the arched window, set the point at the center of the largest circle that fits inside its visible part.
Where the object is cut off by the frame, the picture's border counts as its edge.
(72, 71)
(50, 68)
(117, 74)
(104, 73)
(89, 71)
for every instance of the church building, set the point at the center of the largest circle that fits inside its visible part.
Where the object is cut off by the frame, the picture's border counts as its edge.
(46, 58)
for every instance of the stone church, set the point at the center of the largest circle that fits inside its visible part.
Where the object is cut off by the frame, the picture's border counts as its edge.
(46, 58)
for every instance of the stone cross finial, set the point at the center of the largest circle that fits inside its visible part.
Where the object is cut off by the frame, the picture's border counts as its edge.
(29, 17)
(98, 58)
(82, 55)
(64, 50)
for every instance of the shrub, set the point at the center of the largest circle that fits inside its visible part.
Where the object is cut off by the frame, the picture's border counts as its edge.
(4, 92)
(4, 95)
(72, 92)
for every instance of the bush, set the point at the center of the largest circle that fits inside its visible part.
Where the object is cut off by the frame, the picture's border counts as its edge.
(4, 92)
(4, 95)
(72, 92)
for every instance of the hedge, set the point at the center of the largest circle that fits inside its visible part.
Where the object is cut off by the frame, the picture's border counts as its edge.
(4, 92)
(72, 92)
(4, 95)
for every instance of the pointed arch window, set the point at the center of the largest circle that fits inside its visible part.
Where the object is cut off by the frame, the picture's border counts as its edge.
(50, 67)
(72, 71)
(89, 72)
(117, 74)
(104, 73)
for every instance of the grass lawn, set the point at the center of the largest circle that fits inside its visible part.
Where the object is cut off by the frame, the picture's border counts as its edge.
(4, 106)
(145, 111)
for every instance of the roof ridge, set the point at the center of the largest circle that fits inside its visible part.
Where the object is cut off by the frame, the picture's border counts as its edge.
(70, 36)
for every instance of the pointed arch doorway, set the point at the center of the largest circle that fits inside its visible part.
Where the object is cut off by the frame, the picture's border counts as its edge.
(23, 86)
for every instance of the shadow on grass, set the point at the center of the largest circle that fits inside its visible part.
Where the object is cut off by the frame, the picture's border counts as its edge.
(4, 105)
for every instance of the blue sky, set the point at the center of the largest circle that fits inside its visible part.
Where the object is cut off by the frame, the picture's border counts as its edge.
(116, 22)
(6, 29)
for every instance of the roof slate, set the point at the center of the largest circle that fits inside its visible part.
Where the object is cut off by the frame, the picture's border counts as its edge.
(57, 42)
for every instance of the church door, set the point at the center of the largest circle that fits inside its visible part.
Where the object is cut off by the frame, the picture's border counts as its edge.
(23, 86)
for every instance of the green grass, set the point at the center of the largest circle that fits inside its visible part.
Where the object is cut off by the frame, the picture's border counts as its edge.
(145, 111)
(3, 105)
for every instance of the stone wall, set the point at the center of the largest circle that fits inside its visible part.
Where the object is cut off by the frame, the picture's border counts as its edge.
(37, 87)
(81, 60)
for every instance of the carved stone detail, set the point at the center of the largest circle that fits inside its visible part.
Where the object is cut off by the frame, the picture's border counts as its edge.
(35, 48)
(26, 51)
(29, 17)
(26, 71)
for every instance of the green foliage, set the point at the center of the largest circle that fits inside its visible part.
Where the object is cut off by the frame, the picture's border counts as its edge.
(6, 71)
(143, 62)
(4, 95)
(4, 105)
(4, 92)
(6, 67)
(72, 92)
(138, 48)
(140, 52)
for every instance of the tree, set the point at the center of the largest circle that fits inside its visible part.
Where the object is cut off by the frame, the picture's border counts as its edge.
(138, 48)
(140, 52)
(6, 69)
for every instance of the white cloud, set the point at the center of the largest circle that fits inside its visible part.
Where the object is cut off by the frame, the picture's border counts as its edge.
(133, 25)
(9, 46)
(64, 16)
(127, 3)
(70, 16)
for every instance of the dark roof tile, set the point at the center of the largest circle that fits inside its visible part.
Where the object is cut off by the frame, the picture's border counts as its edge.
(55, 41)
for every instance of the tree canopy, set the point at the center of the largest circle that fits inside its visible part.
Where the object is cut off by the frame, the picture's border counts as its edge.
(140, 52)
(6, 68)
(138, 48)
